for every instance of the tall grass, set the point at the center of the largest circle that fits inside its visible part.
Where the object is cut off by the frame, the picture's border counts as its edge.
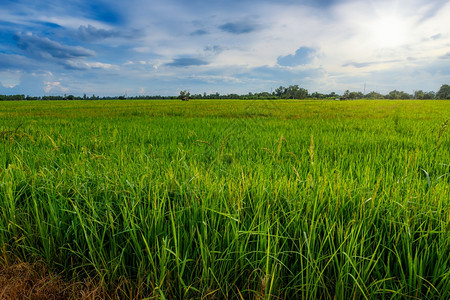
(232, 199)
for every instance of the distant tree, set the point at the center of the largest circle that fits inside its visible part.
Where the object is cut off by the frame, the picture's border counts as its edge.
(291, 92)
(355, 95)
(429, 95)
(317, 95)
(393, 95)
(11, 97)
(297, 92)
(374, 95)
(419, 94)
(424, 95)
(405, 96)
(184, 95)
(444, 92)
(280, 92)
(398, 95)
(264, 95)
(196, 96)
(352, 95)
(332, 95)
(346, 94)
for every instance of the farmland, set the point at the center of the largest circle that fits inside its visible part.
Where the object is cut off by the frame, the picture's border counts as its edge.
(231, 198)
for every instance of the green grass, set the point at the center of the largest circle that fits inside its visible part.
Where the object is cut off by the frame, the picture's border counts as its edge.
(232, 199)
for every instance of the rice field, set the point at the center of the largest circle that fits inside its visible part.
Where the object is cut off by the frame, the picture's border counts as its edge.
(231, 199)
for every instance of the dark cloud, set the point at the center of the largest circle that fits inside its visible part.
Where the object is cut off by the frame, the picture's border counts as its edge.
(302, 56)
(90, 33)
(186, 62)
(15, 62)
(238, 27)
(44, 50)
(199, 32)
(48, 49)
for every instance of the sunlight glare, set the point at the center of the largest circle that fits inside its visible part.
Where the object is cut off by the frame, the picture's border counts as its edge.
(388, 31)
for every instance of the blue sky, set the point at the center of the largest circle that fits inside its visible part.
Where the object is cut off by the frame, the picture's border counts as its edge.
(151, 47)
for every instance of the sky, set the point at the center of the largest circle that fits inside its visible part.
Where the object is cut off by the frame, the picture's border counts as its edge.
(149, 47)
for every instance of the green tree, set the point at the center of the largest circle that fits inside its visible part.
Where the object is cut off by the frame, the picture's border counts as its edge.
(393, 95)
(398, 95)
(429, 95)
(184, 95)
(419, 94)
(280, 92)
(296, 92)
(291, 92)
(374, 95)
(346, 94)
(405, 96)
(352, 95)
(355, 95)
(444, 92)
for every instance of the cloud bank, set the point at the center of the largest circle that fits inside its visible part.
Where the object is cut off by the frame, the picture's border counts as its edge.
(108, 47)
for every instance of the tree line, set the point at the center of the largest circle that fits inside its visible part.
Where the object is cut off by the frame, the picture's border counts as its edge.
(290, 92)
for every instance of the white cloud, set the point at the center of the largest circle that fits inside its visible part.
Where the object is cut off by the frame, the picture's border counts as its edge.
(50, 86)
(99, 65)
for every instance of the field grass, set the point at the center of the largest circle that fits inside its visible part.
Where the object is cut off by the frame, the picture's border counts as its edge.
(231, 199)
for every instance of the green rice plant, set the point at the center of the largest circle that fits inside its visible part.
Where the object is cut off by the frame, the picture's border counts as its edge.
(200, 199)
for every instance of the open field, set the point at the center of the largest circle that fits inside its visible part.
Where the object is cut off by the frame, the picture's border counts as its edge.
(231, 199)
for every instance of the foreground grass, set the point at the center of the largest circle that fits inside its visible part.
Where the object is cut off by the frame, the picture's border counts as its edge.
(231, 199)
